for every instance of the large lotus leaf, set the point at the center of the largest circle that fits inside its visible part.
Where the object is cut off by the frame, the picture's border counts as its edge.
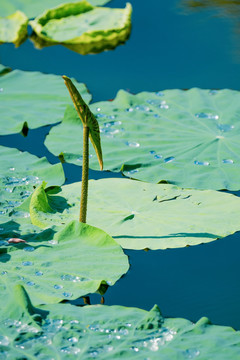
(33, 99)
(74, 262)
(21, 172)
(33, 8)
(63, 331)
(81, 23)
(189, 138)
(142, 215)
(13, 28)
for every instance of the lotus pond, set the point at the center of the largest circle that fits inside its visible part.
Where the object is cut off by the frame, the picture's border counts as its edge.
(154, 271)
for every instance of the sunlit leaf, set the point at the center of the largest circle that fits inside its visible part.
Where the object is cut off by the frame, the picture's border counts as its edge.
(142, 215)
(74, 262)
(188, 138)
(13, 28)
(62, 331)
(33, 99)
(35, 8)
(82, 24)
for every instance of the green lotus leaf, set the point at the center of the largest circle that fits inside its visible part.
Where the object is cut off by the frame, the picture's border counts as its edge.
(142, 215)
(21, 172)
(188, 138)
(63, 331)
(34, 8)
(78, 260)
(33, 99)
(81, 23)
(13, 28)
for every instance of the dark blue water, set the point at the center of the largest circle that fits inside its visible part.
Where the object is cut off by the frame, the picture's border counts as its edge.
(170, 47)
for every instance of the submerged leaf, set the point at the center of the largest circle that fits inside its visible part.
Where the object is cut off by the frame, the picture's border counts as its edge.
(13, 28)
(82, 24)
(33, 99)
(63, 331)
(87, 118)
(34, 8)
(142, 215)
(71, 263)
(188, 138)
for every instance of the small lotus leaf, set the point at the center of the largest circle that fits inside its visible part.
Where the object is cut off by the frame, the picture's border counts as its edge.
(13, 28)
(62, 331)
(188, 138)
(81, 23)
(33, 99)
(34, 8)
(21, 172)
(74, 262)
(143, 215)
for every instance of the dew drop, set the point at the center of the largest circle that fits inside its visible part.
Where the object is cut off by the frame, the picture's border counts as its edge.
(156, 116)
(53, 242)
(12, 169)
(101, 115)
(38, 273)
(213, 92)
(67, 294)
(225, 127)
(73, 340)
(158, 157)
(192, 353)
(58, 287)
(4, 340)
(202, 115)
(228, 161)
(142, 108)
(29, 248)
(152, 152)
(132, 144)
(30, 283)
(134, 348)
(132, 171)
(169, 159)
(3, 272)
(27, 263)
(129, 109)
(204, 163)
(98, 109)
(112, 117)
(10, 190)
(159, 93)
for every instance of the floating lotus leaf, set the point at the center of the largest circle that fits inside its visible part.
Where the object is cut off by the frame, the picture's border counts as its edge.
(21, 172)
(13, 28)
(189, 138)
(34, 8)
(62, 331)
(33, 99)
(142, 215)
(81, 23)
(76, 261)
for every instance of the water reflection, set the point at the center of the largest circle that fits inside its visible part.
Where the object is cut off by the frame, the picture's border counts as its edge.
(229, 9)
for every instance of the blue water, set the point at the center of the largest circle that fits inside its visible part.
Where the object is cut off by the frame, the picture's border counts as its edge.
(170, 47)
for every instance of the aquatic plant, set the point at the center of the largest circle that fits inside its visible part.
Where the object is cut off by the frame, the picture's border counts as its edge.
(90, 130)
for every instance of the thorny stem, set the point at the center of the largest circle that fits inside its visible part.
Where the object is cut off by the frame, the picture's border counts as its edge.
(85, 167)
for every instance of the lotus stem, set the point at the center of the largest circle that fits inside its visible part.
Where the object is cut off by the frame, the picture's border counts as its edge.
(85, 170)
